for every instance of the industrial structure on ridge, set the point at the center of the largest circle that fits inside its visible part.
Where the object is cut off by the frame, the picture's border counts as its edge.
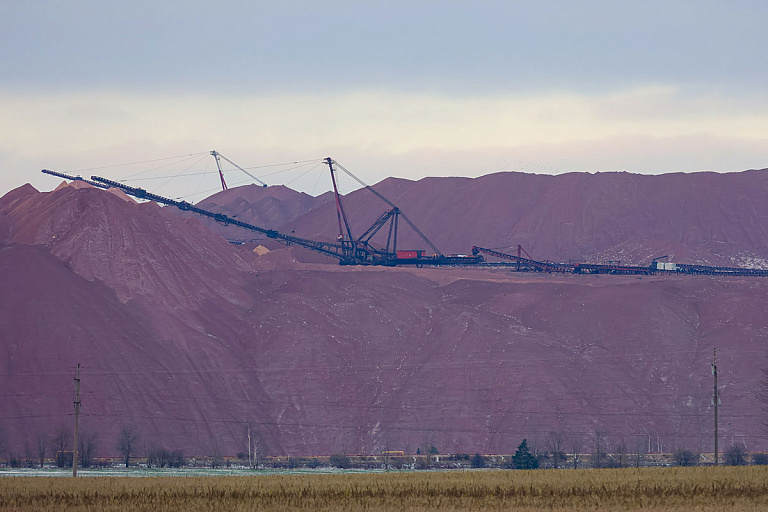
(351, 250)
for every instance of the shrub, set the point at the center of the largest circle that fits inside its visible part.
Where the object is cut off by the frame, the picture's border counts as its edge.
(736, 455)
(685, 457)
(559, 456)
(760, 459)
(161, 458)
(478, 461)
(64, 459)
(339, 460)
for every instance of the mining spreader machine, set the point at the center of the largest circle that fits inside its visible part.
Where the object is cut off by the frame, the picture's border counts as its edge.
(348, 249)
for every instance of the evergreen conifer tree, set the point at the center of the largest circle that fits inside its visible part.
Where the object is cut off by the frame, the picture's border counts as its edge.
(523, 459)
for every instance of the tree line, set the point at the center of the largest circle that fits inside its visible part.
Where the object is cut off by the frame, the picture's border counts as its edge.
(554, 451)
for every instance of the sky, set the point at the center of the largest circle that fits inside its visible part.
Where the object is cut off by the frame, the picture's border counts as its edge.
(386, 88)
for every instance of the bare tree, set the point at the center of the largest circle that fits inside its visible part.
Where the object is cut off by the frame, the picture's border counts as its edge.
(386, 452)
(29, 456)
(576, 446)
(86, 448)
(61, 445)
(621, 453)
(152, 452)
(216, 457)
(555, 446)
(126, 443)
(428, 450)
(598, 454)
(638, 452)
(3, 441)
(61, 439)
(255, 446)
(42, 448)
(535, 445)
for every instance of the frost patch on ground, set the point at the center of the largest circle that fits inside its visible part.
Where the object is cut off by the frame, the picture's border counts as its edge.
(750, 261)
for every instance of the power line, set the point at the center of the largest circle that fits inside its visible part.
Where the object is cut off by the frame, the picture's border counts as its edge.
(172, 176)
(304, 424)
(41, 393)
(286, 163)
(429, 429)
(570, 358)
(204, 173)
(244, 181)
(133, 177)
(137, 163)
(30, 416)
(303, 174)
(441, 406)
(178, 174)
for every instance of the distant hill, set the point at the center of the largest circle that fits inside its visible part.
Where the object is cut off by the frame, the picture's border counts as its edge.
(271, 207)
(694, 218)
(190, 340)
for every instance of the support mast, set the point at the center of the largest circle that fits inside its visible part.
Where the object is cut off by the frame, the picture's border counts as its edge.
(215, 155)
(340, 214)
(77, 420)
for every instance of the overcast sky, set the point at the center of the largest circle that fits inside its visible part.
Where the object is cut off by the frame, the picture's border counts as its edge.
(406, 89)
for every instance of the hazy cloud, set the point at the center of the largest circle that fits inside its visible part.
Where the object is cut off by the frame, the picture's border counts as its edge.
(454, 46)
(72, 131)
(407, 88)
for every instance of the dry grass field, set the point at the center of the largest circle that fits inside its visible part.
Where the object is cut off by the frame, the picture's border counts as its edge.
(662, 489)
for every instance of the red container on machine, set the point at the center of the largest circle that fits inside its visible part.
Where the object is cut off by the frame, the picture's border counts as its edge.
(410, 254)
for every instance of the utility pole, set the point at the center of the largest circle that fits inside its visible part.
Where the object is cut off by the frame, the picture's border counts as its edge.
(715, 400)
(77, 420)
